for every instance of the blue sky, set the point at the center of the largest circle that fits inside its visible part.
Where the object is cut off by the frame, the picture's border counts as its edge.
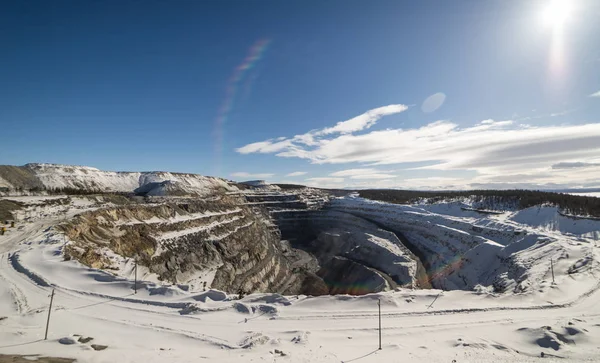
(222, 88)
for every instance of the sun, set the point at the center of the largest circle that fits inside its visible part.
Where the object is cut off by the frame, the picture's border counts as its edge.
(557, 13)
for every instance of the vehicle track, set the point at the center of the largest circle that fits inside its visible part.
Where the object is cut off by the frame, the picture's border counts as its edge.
(19, 297)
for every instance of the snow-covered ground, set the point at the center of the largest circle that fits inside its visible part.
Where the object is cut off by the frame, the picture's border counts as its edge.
(164, 323)
(591, 194)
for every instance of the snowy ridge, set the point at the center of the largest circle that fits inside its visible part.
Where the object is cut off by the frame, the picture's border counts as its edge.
(55, 176)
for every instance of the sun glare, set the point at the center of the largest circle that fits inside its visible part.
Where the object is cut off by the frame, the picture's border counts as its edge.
(557, 12)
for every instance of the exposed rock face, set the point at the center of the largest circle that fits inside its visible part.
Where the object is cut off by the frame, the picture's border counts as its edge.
(354, 255)
(331, 235)
(234, 243)
(218, 241)
(344, 276)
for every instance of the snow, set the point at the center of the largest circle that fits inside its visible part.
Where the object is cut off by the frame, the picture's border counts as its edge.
(56, 176)
(509, 250)
(590, 194)
(164, 323)
(175, 234)
(181, 218)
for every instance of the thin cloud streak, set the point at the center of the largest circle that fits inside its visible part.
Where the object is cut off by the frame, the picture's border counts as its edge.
(243, 174)
(297, 173)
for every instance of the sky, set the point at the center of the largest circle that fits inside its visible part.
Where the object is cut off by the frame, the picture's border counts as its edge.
(433, 94)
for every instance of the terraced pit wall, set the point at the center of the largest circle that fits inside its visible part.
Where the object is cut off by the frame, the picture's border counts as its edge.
(220, 241)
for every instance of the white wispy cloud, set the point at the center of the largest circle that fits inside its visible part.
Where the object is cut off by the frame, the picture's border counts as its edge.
(297, 173)
(352, 172)
(574, 165)
(498, 151)
(363, 173)
(243, 174)
(595, 94)
(363, 121)
(327, 180)
(266, 147)
(297, 143)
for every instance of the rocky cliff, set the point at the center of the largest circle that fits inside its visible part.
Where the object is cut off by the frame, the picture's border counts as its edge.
(213, 243)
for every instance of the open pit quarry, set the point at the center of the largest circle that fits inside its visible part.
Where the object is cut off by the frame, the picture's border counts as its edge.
(160, 266)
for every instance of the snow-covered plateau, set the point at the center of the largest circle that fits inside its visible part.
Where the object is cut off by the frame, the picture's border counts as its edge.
(212, 272)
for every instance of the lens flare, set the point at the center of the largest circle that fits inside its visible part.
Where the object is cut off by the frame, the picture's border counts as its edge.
(557, 13)
(255, 54)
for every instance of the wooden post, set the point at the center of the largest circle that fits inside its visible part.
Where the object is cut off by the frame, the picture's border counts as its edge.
(49, 311)
(552, 268)
(135, 278)
(379, 304)
(430, 305)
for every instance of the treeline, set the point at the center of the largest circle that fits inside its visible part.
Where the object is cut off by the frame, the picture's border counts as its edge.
(494, 199)
(70, 191)
(54, 191)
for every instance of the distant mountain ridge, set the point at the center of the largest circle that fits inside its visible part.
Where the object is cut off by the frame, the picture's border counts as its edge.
(36, 177)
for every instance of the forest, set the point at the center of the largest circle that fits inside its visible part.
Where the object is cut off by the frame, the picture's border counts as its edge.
(493, 199)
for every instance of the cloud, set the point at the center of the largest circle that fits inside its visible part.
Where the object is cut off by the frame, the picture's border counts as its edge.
(363, 173)
(595, 94)
(363, 121)
(373, 176)
(492, 152)
(352, 172)
(266, 147)
(562, 113)
(243, 174)
(296, 173)
(326, 180)
(314, 137)
(433, 102)
(573, 165)
(495, 150)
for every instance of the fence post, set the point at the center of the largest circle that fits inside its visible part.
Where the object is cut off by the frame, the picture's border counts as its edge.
(430, 305)
(379, 305)
(49, 311)
(552, 268)
(135, 278)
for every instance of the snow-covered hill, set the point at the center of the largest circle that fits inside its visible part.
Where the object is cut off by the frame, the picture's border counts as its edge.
(88, 179)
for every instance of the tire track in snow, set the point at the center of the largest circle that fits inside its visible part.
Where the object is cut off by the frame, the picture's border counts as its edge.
(219, 342)
(19, 297)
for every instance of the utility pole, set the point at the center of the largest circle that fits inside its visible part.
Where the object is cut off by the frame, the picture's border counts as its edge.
(552, 268)
(135, 277)
(49, 310)
(379, 305)
(430, 305)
